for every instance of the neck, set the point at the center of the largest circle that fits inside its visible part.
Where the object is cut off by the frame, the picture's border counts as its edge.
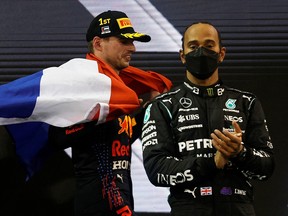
(93, 56)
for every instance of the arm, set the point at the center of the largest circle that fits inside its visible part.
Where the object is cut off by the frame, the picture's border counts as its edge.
(162, 161)
(139, 114)
(64, 137)
(137, 129)
(254, 156)
(228, 145)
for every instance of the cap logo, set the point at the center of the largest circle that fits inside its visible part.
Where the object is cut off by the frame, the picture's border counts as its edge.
(105, 30)
(104, 21)
(124, 23)
(133, 35)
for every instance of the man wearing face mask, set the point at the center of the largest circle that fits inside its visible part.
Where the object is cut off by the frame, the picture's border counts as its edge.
(205, 140)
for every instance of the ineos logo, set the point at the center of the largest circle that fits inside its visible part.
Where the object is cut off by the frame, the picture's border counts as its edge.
(185, 102)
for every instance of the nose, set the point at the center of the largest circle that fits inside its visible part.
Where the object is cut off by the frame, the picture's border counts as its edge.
(132, 46)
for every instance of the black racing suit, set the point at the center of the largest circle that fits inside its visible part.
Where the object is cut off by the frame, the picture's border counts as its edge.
(178, 152)
(101, 156)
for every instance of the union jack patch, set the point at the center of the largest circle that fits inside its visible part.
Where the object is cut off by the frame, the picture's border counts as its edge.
(205, 191)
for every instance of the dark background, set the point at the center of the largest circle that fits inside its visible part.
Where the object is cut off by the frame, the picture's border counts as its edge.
(40, 33)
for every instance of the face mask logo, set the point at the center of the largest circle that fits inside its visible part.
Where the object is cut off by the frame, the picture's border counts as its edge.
(202, 62)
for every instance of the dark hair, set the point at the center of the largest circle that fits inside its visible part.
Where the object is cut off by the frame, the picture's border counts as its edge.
(203, 22)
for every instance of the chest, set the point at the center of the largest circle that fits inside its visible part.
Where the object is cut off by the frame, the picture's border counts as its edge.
(195, 118)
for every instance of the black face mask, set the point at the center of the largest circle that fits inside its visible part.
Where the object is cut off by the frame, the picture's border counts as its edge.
(202, 62)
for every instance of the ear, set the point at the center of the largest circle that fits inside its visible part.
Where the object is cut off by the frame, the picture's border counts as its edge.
(97, 43)
(222, 54)
(182, 56)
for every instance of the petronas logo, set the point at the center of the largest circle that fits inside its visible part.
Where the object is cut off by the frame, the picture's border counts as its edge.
(147, 114)
(231, 104)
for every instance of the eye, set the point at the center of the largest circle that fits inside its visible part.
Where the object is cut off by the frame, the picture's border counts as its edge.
(125, 41)
(193, 47)
(209, 46)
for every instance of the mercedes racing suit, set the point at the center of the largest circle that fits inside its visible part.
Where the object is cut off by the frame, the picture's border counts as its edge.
(178, 151)
(101, 156)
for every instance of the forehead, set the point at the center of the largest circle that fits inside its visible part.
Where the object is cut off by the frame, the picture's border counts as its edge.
(120, 40)
(201, 33)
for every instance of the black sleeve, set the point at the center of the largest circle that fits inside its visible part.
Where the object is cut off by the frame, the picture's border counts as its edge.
(137, 129)
(162, 162)
(62, 138)
(258, 160)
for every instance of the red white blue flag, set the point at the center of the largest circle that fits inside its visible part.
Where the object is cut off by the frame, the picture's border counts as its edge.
(78, 91)
(62, 96)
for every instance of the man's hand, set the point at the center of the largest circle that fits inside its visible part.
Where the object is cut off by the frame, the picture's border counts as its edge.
(146, 98)
(227, 143)
(220, 161)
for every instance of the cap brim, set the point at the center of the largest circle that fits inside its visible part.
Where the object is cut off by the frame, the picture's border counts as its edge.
(136, 36)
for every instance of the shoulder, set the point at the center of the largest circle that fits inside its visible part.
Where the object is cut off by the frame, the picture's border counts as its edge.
(166, 102)
(245, 97)
(172, 93)
(240, 92)
(167, 99)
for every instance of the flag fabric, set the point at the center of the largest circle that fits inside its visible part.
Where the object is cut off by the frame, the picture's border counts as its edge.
(62, 96)
(31, 145)
(77, 91)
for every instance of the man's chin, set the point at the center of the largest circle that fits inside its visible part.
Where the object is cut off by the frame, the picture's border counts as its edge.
(124, 65)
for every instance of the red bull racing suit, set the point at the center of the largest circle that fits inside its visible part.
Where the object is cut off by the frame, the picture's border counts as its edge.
(101, 156)
(178, 152)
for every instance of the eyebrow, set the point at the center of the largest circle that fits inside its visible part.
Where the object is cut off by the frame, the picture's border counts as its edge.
(206, 41)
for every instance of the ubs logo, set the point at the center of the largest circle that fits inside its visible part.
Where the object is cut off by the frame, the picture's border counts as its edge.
(191, 117)
(185, 102)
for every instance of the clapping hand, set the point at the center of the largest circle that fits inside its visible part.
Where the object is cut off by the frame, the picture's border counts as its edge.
(228, 144)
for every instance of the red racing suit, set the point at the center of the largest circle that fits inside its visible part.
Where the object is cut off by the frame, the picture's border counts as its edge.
(178, 152)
